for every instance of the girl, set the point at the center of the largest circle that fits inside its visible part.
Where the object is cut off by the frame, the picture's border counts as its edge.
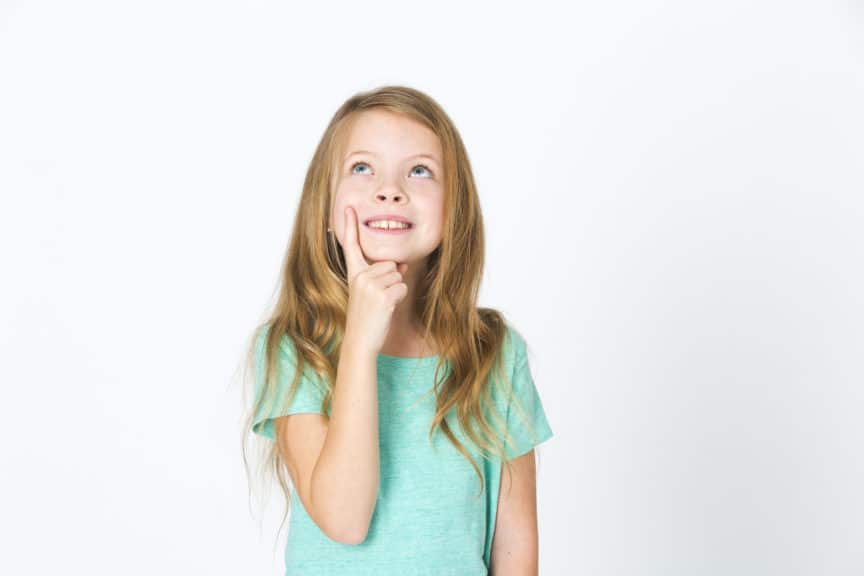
(391, 399)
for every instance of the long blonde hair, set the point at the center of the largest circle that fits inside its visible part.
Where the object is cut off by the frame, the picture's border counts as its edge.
(313, 294)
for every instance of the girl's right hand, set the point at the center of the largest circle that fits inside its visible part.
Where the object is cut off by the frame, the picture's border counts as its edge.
(373, 291)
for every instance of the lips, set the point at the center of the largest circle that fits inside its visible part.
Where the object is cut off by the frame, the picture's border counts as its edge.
(394, 217)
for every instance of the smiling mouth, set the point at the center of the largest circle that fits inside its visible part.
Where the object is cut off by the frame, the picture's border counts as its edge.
(382, 232)
(405, 226)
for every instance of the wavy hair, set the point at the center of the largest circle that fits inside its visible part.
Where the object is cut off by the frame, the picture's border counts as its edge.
(313, 292)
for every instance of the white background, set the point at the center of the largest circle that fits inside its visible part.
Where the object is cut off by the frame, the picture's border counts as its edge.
(672, 194)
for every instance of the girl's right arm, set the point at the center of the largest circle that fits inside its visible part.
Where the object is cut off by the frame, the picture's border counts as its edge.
(344, 486)
(334, 464)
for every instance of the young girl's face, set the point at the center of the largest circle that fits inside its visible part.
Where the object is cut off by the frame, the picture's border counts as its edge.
(392, 165)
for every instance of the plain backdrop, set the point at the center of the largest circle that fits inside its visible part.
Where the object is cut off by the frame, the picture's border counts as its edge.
(672, 194)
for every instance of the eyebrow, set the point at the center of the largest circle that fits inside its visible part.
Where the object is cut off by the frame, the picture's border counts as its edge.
(421, 155)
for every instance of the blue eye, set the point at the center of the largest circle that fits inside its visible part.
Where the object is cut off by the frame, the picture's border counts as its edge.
(425, 168)
(357, 164)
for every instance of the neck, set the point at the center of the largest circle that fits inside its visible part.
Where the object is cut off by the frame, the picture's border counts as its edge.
(406, 332)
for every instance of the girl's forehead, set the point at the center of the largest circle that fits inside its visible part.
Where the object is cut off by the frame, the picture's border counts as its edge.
(378, 132)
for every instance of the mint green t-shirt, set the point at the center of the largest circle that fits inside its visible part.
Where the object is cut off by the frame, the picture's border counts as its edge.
(429, 517)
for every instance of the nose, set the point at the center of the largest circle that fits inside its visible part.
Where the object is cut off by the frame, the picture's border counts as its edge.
(390, 194)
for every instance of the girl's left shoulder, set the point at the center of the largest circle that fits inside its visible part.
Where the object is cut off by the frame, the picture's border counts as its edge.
(515, 346)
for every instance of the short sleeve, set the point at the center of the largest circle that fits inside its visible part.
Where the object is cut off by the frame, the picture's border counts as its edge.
(308, 398)
(526, 418)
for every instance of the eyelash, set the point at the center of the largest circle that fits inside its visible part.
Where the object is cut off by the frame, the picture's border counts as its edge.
(367, 164)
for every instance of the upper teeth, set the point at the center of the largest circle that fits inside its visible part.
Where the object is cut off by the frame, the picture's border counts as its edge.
(387, 224)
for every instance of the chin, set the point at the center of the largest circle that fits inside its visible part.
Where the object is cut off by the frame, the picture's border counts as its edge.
(395, 255)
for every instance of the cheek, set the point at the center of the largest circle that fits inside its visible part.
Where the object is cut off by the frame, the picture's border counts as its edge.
(439, 228)
(436, 218)
(343, 199)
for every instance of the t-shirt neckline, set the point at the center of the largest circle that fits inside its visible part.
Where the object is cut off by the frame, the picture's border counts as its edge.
(407, 361)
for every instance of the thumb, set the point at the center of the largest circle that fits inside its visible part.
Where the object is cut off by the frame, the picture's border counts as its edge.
(402, 268)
